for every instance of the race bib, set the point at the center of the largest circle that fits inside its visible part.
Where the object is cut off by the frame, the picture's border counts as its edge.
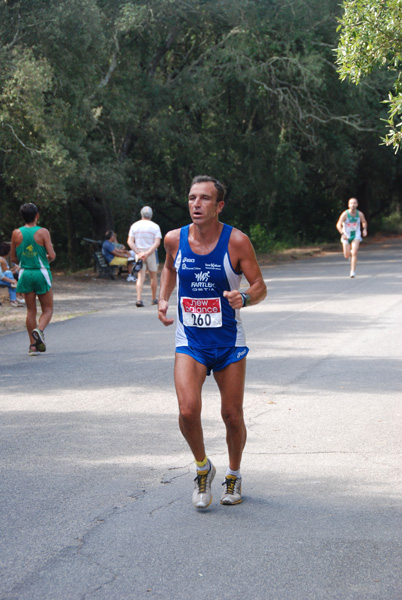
(350, 231)
(201, 312)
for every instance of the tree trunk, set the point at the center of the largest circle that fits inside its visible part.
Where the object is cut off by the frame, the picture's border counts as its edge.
(363, 198)
(101, 215)
(71, 237)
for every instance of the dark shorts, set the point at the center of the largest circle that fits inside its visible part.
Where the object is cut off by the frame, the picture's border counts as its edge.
(215, 359)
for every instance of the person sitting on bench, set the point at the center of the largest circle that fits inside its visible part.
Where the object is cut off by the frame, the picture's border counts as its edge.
(116, 256)
(7, 276)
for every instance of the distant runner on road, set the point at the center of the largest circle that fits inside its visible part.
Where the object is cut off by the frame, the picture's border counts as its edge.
(349, 226)
(207, 259)
(32, 248)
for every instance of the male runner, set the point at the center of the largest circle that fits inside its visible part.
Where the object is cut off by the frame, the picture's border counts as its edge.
(32, 248)
(208, 259)
(349, 226)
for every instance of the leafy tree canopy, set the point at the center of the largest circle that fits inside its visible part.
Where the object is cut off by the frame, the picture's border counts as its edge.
(107, 105)
(371, 38)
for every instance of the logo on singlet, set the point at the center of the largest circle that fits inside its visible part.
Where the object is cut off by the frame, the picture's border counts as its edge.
(213, 266)
(202, 281)
(29, 251)
(186, 267)
(202, 276)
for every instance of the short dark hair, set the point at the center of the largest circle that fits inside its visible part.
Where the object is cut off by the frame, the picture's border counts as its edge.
(109, 234)
(28, 212)
(218, 186)
(4, 248)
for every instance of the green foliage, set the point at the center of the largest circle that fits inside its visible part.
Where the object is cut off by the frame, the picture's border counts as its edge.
(34, 158)
(265, 242)
(392, 223)
(107, 105)
(371, 38)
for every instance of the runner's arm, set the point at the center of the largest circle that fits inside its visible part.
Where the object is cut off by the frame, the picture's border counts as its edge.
(340, 222)
(16, 239)
(47, 242)
(363, 221)
(168, 277)
(243, 255)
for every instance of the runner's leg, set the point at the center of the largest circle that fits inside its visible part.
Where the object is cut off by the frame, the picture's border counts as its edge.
(189, 376)
(230, 381)
(346, 250)
(46, 303)
(153, 275)
(30, 302)
(353, 261)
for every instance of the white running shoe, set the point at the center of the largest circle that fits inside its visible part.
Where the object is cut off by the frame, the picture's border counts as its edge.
(231, 490)
(352, 274)
(202, 495)
(130, 278)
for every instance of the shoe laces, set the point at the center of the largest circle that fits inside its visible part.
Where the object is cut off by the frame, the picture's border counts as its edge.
(201, 480)
(229, 484)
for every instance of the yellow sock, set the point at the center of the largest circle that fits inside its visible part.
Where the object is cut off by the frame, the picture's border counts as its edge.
(202, 463)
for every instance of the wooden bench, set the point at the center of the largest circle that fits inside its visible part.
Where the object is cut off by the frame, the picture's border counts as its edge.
(101, 266)
(103, 269)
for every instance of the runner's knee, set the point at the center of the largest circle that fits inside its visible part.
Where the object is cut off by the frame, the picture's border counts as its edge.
(189, 413)
(233, 418)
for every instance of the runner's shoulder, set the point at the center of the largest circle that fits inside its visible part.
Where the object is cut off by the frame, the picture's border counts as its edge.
(172, 240)
(42, 234)
(16, 235)
(239, 240)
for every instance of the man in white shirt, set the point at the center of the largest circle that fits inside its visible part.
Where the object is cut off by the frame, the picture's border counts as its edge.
(144, 238)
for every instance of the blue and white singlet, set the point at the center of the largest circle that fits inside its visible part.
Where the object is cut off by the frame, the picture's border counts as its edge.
(205, 318)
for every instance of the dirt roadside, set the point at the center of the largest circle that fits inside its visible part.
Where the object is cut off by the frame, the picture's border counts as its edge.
(83, 293)
(74, 295)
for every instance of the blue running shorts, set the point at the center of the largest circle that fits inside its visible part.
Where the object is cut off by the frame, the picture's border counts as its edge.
(215, 359)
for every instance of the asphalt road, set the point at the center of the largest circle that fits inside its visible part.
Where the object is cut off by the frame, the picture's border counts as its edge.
(96, 481)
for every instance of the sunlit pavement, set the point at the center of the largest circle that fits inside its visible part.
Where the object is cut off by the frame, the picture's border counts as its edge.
(96, 480)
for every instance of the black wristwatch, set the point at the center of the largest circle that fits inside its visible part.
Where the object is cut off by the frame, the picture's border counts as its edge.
(246, 300)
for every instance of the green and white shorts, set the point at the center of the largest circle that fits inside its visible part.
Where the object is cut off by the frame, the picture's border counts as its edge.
(34, 280)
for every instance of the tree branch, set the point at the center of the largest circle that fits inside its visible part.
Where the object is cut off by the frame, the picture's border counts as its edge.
(285, 96)
(20, 141)
(112, 66)
(162, 51)
(16, 35)
(201, 58)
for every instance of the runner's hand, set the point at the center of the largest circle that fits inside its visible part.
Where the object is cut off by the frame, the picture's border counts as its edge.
(234, 298)
(162, 313)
